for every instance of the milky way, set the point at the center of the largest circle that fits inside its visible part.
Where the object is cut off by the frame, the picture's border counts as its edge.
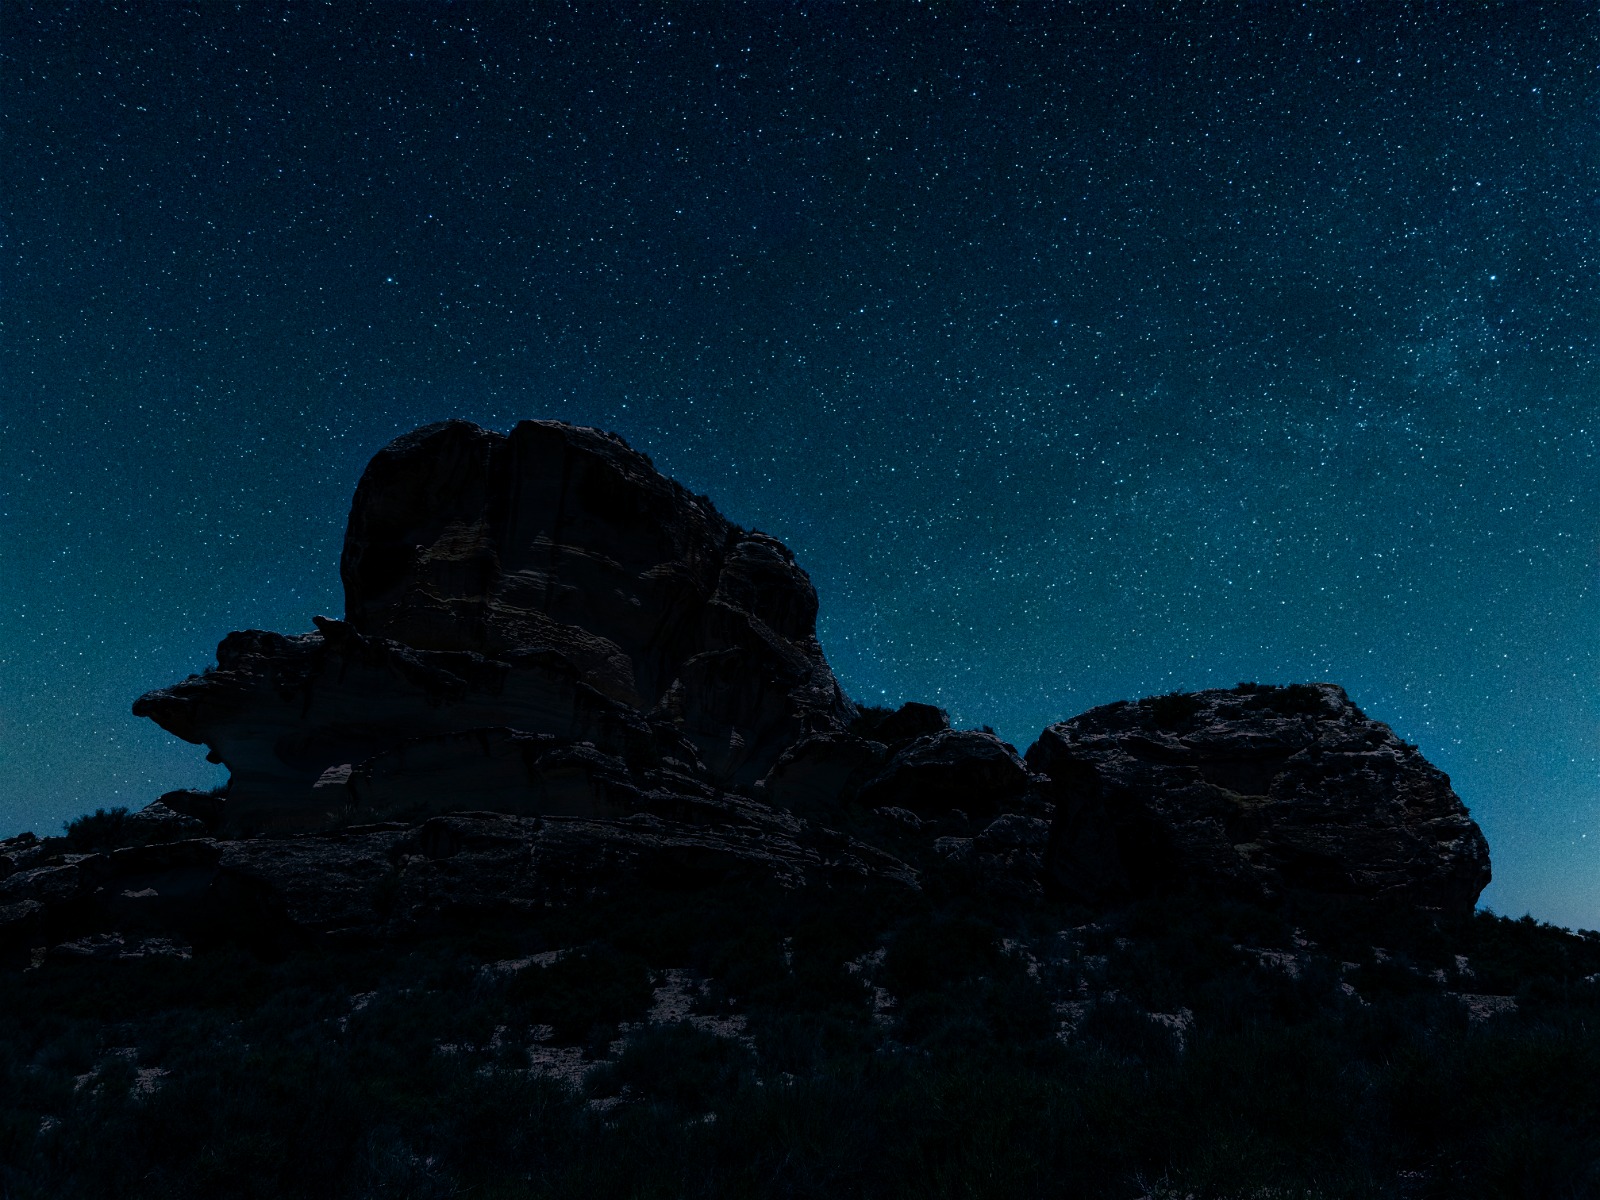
(1079, 352)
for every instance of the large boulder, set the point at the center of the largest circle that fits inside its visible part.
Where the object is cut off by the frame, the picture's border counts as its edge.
(1255, 791)
(549, 582)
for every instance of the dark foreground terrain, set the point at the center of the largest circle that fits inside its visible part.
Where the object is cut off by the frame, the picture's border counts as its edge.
(737, 1041)
(562, 866)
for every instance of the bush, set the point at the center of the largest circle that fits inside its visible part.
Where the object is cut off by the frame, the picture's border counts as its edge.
(1174, 710)
(1298, 699)
(103, 829)
(682, 1065)
(1031, 1052)
(584, 995)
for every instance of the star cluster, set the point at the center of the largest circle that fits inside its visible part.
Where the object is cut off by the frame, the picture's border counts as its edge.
(1080, 352)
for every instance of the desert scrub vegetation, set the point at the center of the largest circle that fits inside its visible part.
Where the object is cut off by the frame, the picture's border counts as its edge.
(831, 1044)
(103, 829)
(1174, 710)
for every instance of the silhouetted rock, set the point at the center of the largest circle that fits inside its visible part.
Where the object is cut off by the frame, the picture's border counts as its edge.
(16, 853)
(821, 772)
(1014, 831)
(898, 726)
(282, 711)
(548, 581)
(966, 769)
(1255, 791)
(494, 769)
(560, 672)
(393, 879)
(205, 807)
(158, 822)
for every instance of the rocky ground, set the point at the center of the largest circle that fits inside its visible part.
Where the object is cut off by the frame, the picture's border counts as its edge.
(860, 1037)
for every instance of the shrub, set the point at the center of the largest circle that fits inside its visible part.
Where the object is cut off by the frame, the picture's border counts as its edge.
(583, 995)
(103, 829)
(1298, 699)
(1174, 710)
(1281, 1085)
(682, 1065)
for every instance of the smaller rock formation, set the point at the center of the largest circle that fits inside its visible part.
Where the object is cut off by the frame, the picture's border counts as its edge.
(1255, 791)
(966, 769)
(896, 727)
(820, 773)
(825, 771)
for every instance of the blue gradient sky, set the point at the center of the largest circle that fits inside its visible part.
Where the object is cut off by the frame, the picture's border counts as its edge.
(1080, 353)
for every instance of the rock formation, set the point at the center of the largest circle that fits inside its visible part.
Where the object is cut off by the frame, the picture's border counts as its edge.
(1255, 791)
(561, 674)
(564, 842)
(395, 879)
(956, 769)
(545, 582)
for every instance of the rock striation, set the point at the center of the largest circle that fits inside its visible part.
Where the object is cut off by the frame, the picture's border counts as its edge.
(1255, 791)
(395, 879)
(546, 582)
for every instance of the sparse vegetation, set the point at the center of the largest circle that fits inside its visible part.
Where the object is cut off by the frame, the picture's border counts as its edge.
(1297, 699)
(1174, 710)
(103, 829)
(1205, 1048)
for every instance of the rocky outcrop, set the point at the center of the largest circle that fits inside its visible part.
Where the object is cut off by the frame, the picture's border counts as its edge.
(1256, 791)
(822, 772)
(896, 727)
(1005, 860)
(541, 625)
(546, 582)
(957, 769)
(394, 880)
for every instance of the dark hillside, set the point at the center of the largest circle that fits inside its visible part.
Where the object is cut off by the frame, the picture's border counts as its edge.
(730, 1042)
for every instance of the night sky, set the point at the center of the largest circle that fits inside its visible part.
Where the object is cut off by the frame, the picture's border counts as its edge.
(1079, 352)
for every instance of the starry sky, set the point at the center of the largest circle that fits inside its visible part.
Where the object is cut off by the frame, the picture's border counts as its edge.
(1080, 352)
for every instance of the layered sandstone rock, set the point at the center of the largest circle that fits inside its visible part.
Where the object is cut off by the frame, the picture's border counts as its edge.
(969, 770)
(392, 879)
(546, 582)
(1255, 791)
